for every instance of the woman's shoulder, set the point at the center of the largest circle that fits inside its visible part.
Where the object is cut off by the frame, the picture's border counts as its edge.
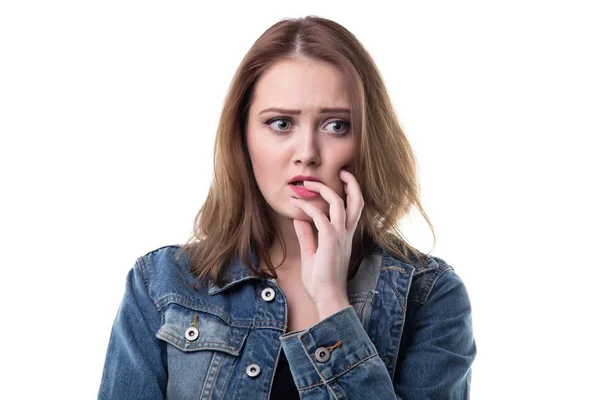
(161, 260)
(429, 273)
(166, 273)
(161, 254)
(438, 280)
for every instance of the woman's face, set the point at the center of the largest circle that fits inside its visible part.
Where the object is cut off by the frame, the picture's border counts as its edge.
(299, 138)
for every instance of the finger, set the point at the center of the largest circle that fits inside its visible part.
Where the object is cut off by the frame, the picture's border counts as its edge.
(354, 199)
(319, 218)
(306, 238)
(337, 211)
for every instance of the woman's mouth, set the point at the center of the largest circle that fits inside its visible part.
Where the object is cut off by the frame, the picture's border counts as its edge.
(300, 190)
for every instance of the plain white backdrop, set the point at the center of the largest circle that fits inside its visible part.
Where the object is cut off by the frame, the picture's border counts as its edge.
(108, 112)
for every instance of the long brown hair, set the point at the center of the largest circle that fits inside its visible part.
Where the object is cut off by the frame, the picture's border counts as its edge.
(235, 216)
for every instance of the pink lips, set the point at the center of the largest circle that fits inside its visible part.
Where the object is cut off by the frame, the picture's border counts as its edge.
(303, 192)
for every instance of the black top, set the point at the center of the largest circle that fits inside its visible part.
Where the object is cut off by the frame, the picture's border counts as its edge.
(284, 387)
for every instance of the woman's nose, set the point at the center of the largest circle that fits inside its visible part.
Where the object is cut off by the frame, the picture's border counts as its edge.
(307, 147)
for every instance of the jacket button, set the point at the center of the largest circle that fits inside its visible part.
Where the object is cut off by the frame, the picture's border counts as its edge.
(253, 370)
(322, 354)
(191, 333)
(268, 294)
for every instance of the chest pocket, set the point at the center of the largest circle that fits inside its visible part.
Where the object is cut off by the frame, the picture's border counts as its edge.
(202, 352)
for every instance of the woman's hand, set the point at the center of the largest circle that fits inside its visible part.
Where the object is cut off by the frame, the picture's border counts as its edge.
(325, 268)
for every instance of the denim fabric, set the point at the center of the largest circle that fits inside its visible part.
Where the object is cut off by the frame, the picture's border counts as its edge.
(406, 335)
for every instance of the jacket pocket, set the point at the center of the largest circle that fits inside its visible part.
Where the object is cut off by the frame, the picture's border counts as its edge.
(212, 332)
(202, 352)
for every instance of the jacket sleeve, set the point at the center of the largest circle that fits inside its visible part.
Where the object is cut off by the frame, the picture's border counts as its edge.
(438, 346)
(352, 370)
(435, 365)
(135, 365)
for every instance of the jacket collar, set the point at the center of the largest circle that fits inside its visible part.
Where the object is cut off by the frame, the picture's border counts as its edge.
(236, 272)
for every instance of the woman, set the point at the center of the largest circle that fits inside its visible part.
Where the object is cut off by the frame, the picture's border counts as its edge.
(296, 282)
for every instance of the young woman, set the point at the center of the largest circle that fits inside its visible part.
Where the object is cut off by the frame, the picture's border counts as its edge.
(297, 282)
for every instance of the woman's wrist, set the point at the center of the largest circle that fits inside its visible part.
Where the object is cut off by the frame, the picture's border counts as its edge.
(327, 308)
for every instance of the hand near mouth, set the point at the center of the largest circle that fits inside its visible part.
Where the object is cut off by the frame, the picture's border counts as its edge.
(325, 268)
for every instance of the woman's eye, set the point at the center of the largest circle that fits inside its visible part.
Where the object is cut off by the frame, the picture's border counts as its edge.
(339, 127)
(278, 124)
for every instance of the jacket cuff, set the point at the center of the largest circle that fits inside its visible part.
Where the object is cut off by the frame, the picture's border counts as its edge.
(345, 339)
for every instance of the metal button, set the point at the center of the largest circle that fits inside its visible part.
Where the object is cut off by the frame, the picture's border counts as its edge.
(268, 294)
(191, 333)
(322, 354)
(253, 370)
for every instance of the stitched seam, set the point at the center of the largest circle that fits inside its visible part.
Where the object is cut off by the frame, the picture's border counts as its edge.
(332, 391)
(350, 367)
(180, 343)
(216, 377)
(325, 382)
(142, 266)
(256, 295)
(181, 301)
(212, 361)
(425, 292)
(312, 386)
(389, 327)
(231, 281)
(279, 351)
(226, 386)
(265, 320)
(177, 299)
(401, 329)
(401, 269)
(434, 281)
(145, 271)
(386, 275)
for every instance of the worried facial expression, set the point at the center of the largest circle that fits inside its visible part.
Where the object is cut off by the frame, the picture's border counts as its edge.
(299, 124)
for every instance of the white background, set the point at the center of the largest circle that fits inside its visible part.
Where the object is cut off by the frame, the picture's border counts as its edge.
(108, 112)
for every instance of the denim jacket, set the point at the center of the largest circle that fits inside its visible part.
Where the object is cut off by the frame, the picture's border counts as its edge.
(406, 335)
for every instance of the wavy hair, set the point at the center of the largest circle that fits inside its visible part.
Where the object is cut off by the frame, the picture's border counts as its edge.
(235, 216)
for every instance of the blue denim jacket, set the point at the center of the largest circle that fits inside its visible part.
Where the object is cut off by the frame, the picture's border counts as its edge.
(406, 335)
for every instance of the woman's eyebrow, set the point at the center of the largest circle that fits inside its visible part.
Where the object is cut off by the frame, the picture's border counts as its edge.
(321, 110)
